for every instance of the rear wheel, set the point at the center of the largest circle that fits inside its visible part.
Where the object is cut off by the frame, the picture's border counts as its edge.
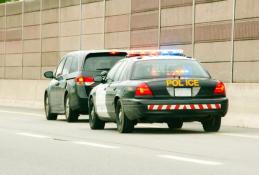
(212, 124)
(124, 125)
(176, 124)
(71, 116)
(94, 121)
(49, 115)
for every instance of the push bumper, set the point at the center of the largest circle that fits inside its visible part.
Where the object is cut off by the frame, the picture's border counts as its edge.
(163, 110)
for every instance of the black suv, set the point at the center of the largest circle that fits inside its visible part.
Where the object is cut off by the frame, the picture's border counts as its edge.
(73, 80)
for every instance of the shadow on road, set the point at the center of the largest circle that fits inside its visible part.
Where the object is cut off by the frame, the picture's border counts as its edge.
(79, 121)
(160, 131)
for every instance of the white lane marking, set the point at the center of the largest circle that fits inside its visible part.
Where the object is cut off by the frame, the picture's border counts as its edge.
(22, 113)
(185, 159)
(33, 135)
(149, 126)
(98, 145)
(241, 135)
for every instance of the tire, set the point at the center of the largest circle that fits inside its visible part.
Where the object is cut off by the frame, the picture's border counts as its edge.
(49, 115)
(176, 124)
(124, 125)
(212, 124)
(71, 116)
(94, 121)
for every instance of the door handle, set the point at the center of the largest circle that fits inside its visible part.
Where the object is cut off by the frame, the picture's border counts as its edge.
(114, 89)
(57, 84)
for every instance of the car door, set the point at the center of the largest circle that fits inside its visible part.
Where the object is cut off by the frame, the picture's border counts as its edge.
(113, 88)
(54, 101)
(62, 83)
(100, 100)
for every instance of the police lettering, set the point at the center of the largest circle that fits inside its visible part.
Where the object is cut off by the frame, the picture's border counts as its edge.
(180, 83)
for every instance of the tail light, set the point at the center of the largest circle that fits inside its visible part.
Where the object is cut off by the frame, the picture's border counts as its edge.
(143, 90)
(81, 80)
(220, 89)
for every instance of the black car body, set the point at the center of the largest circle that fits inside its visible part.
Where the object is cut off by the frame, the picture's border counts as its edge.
(73, 80)
(183, 94)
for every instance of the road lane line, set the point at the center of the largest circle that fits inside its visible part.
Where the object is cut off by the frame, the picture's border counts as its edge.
(148, 126)
(185, 159)
(96, 145)
(22, 113)
(33, 135)
(241, 135)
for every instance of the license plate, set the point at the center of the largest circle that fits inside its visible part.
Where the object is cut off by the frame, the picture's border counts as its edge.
(183, 92)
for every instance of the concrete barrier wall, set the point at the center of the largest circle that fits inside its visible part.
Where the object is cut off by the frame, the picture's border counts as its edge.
(224, 36)
(243, 106)
(23, 93)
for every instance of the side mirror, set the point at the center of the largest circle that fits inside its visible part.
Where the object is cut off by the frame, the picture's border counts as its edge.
(102, 77)
(49, 74)
(104, 74)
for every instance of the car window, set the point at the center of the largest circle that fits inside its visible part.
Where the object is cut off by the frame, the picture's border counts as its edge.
(99, 63)
(125, 72)
(60, 67)
(119, 71)
(112, 72)
(67, 65)
(165, 68)
(74, 65)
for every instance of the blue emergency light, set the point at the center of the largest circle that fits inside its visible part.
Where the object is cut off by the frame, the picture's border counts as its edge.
(173, 52)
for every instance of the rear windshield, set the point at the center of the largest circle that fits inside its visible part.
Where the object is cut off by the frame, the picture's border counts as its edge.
(100, 63)
(165, 68)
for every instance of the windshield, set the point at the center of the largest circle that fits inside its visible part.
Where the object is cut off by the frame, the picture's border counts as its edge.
(101, 63)
(165, 68)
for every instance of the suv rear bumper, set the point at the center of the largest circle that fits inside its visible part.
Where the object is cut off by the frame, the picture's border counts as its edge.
(164, 110)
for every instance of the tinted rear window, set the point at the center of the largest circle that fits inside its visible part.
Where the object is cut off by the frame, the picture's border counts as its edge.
(100, 63)
(165, 68)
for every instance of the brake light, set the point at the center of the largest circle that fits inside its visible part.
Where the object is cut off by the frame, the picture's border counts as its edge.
(113, 52)
(143, 90)
(220, 89)
(81, 80)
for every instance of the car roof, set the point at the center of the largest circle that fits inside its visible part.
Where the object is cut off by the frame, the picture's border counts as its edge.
(144, 58)
(87, 52)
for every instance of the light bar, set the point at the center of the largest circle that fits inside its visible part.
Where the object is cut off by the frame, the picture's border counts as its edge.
(174, 52)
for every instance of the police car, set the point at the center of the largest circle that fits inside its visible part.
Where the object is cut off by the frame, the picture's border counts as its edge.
(157, 86)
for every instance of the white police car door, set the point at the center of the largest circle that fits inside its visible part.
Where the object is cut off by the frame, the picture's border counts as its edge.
(100, 100)
(101, 93)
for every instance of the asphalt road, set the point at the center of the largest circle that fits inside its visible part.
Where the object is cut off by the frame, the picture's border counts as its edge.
(31, 145)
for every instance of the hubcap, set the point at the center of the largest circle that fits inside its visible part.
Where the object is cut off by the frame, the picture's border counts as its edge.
(92, 112)
(47, 106)
(120, 116)
(67, 108)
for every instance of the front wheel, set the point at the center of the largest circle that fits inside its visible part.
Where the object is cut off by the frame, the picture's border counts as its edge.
(124, 125)
(94, 121)
(71, 116)
(49, 115)
(212, 124)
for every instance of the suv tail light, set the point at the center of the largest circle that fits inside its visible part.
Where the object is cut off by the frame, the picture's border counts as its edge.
(143, 90)
(220, 89)
(81, 80)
